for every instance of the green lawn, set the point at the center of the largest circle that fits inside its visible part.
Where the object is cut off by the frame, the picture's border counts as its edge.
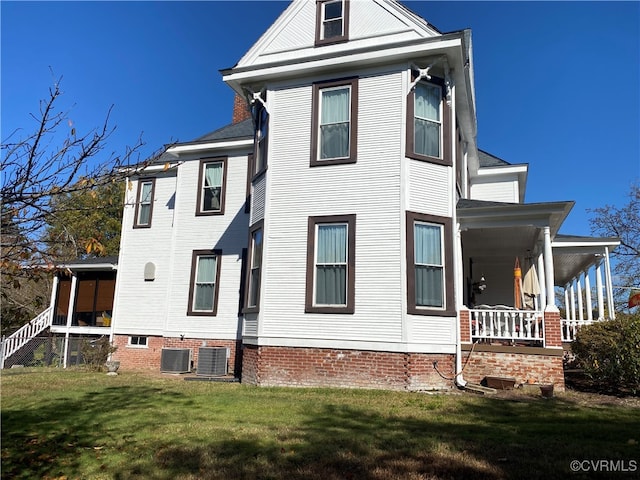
(74, 424)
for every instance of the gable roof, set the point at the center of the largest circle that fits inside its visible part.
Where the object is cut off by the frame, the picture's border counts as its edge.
(292, 35)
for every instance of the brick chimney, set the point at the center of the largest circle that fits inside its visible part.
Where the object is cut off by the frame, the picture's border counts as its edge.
(240, 109)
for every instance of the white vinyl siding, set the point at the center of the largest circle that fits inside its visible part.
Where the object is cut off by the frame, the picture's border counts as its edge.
(496, 189)
(160, 307)
(429, 190)
(378, 309)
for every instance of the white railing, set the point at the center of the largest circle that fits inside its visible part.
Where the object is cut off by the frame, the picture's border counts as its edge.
(24, 334)
(506, 324)
(571, 327)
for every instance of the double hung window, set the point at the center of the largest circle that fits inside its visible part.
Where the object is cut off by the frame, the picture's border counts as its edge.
(144, 203)
(427, 123)
(429, 252)
(334, 122)
(255, 268)
(205, 274)
(331, 264)
(211, 187)
(332, 21)
(261, 121)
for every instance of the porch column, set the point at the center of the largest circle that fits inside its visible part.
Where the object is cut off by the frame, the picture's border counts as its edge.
(579, 294)
(567, 312)
(72, 308)
(541, 281)
(548, 270)
(52, 300)
(572, 295)
(607, 264)
(587, 288)
(599, 290)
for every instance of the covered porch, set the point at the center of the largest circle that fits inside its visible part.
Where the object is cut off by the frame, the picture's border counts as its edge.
(513, 259)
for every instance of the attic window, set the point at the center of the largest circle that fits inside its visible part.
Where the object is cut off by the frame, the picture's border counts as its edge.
(332, 21)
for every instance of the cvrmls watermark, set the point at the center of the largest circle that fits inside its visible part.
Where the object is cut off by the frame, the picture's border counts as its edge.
(622, 466)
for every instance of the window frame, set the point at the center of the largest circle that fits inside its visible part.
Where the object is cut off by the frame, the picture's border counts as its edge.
(192, 284)
(258, 226)
(200, 199)
(136, 218)
(449, 309)
(131, 344)
(260, 146)
(318, 87)
(313, 222)
(320, 8)
(445, 125)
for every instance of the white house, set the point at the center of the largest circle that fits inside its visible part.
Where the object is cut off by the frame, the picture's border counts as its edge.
(350, 232)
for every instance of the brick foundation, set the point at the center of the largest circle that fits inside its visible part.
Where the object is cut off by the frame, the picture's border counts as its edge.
(140, 358)
(542, 367)
(314, 367)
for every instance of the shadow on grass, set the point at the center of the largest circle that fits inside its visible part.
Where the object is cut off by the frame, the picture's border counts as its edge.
(468, 437)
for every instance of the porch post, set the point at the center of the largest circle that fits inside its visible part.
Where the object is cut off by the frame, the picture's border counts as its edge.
(587, 288)
(54, 295)
(599, 290)
(607, 264)
(541, 280)
(567, 312)
(572, 295)
(548, 270)
(72, 308)
(580, 303)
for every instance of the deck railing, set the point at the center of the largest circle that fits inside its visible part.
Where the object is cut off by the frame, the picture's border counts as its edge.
(506, 324)
(571, 327)
(24, 335)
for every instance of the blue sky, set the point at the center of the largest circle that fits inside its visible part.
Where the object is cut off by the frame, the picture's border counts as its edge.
(557, 83)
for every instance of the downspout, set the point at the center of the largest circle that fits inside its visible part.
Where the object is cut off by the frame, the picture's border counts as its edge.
(458, 379)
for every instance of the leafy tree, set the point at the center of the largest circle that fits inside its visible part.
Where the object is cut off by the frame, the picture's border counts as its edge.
(624, 223)
(86, 222)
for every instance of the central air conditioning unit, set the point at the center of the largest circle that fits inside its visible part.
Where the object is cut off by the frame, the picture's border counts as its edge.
(175, 360)
(212, 361)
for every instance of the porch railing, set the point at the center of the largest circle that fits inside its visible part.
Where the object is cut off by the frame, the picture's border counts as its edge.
(571, 327)
(24, 335)
(506, 324)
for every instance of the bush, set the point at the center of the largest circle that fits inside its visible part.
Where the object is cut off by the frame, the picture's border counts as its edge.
(96, 352)
(609, 353)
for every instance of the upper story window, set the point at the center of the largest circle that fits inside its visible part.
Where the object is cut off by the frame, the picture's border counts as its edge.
(211, 191)
(428, 123)
(331, 264)
(204, 286)
(334, 122)
(261, 120)
(429, 260)
(332, 21)
(144, 203)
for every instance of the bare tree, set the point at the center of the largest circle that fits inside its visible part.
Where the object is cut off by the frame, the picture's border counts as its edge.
(40, 169)
(624, 223)
(52, 161)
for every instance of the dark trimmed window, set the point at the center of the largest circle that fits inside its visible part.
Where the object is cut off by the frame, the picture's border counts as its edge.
(429, 265)
(331, 249)
(261, 137)
(428, 136)
(332, 21)
(334, 122)
(256, 241)
(137, 341)
(211, 186)
(205, 282)
(144, 202)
